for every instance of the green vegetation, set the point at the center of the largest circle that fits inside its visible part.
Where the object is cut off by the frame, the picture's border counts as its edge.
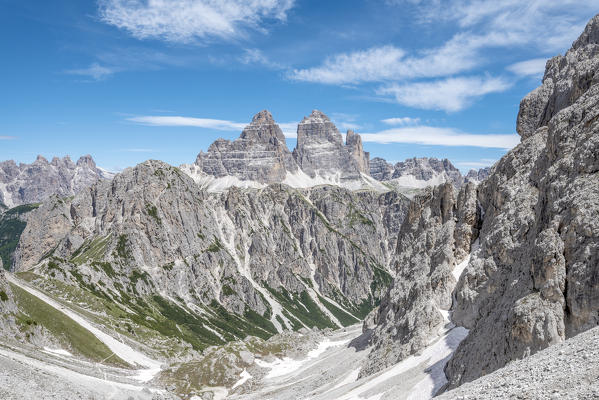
(122, 249)
(380, 282)
(215, 247)
(227, 291)
(301, 307)
(3, 295)
(73, 335)
(93, 250)
(342, 316)
(153, 212)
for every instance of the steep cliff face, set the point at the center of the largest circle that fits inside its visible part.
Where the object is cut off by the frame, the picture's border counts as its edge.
(531, 281)
(534, 282)
(320, 150)
(437, 234)
(259, 154)
(34, 183)
(276, 251)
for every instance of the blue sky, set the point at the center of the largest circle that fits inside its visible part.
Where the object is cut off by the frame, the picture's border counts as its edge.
(129, 80)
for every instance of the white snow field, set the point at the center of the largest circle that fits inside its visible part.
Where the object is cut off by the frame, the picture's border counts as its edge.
(331, 371)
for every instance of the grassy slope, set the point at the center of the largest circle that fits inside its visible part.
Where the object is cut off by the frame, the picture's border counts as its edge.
(74, 336)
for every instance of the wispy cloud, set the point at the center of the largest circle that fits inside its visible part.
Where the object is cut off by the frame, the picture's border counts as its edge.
(257, 57)
(475, 164)
(95, 71)
(481, 25)
(192, 20)
(289, 128)
(208, 123)
(429, 135)
(453, 94)
(401, 121)
(7, 137)
(534, 67)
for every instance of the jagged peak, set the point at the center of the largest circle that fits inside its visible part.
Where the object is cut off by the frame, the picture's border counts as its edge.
(41, 159)
(590, 34)
(86, 160)
(316, 116)
(263, 117)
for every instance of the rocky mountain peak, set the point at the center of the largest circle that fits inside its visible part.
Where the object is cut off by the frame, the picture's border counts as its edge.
(263, 128)
(86, 161)
(590, 34)
(263, 117)
(353, 143)
(259, 154)
(566, 78)
(320, 149)
(41, 159)
(35, 182)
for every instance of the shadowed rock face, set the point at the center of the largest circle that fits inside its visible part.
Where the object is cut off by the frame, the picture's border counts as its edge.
(33, 183)
(533, 280)
(260, 154)
(320, 149)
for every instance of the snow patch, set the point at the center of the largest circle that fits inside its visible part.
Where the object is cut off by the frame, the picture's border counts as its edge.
(59, 352)
(244, 377)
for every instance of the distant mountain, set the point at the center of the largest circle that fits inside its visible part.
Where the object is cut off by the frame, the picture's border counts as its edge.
(422, 172)
(35, 182)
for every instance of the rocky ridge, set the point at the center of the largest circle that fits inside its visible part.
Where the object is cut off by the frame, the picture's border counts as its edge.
(422, 172)
(530, 282)
(265, 255)
(34, 183)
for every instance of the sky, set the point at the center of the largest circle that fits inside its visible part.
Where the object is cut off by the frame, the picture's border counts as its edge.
(131, 80)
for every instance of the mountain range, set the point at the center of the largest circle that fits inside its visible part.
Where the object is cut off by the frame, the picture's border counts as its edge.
(258, 272)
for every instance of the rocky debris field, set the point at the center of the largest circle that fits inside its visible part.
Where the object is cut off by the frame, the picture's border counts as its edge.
(569, 370)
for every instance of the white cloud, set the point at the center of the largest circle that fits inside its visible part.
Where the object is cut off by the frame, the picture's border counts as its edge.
(191, 20)
(7, 137)
(217, 124)
(534, 67)
(95, 71)
(256, 56)
(475, 164)
(401, 121)
(428, 135)
(289, 128)
(453, 94)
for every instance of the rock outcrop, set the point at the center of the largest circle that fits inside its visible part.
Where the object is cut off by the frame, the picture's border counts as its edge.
(437, 234)
(320, 150)
(260, 154)
(475, 176)
(34, 183)
(532, 280)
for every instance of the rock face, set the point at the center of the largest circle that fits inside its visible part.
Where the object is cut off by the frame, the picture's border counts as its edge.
(33, 183)
(475, 176)
(416, 172)
(274, 251)
(532, 280)
(436, 235)
(260, 154)
(320, 150)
